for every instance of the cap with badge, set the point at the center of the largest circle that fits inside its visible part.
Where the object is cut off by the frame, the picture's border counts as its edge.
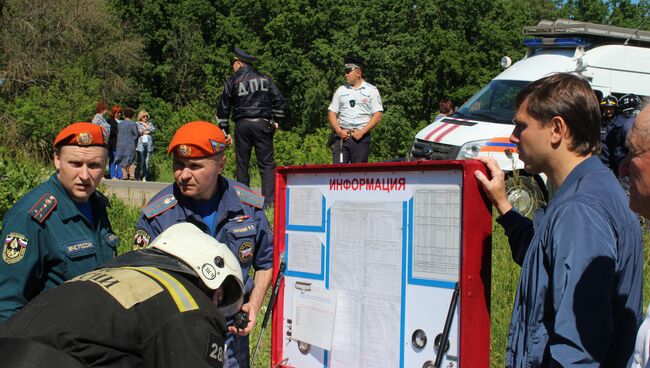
(244, 56)
(81, 134)
(197, 139)
(352, 62)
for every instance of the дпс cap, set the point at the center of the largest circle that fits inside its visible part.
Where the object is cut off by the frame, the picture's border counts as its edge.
(244, 56)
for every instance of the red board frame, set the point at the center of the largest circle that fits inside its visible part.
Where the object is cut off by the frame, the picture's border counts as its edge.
(476, 245)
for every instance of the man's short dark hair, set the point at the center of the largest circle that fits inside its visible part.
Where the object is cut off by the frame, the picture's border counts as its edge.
(570, 97)
(128, 112)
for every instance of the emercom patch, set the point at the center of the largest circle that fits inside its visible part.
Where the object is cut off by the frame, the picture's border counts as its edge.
(14, 248)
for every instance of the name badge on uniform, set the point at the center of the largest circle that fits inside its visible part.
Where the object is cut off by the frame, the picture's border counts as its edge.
(79, 248)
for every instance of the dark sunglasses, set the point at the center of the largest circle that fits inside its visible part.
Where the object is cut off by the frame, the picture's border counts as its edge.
(347, 70)
(232, 62)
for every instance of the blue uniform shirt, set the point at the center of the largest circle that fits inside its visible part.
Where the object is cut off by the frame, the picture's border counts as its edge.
(47, 240)
(242, 226)
(240, 223)
(579, 296)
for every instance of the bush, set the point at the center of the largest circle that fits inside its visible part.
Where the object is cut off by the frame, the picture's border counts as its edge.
(123, 219)
(18, 175)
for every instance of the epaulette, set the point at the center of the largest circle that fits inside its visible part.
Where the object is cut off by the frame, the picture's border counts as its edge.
(159, 206)
(42, 209)
(249, 197)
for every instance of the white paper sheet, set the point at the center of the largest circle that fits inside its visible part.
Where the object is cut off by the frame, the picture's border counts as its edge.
(313, 316)
(304, 253)
(436, 234)
(366, 270)
(306, 207)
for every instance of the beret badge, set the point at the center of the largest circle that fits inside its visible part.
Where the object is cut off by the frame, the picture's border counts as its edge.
(184, 150)
(84, 139)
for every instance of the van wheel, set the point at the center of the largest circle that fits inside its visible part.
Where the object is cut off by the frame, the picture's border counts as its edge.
(525, 193)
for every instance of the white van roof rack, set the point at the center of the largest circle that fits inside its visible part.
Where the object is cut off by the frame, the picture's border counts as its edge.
(568, 28)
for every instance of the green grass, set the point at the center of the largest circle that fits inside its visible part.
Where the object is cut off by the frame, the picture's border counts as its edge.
(505, 274)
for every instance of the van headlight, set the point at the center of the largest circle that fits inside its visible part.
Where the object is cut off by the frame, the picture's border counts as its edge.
(471, 149)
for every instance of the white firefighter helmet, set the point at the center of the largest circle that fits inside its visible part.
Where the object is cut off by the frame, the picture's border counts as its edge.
(212, 261)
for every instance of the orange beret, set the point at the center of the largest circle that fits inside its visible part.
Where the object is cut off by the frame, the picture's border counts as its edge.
(81, 134)
(197, 139)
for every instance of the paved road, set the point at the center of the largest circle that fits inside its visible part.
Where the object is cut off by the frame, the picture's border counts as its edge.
(136, 193)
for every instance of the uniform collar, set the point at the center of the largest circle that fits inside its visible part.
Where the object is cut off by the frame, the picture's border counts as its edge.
(362, 86)
(591, 164)
(243, 69)
(228, 204)
(66, 207)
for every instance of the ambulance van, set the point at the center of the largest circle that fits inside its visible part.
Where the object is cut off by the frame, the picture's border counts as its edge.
(614, 60)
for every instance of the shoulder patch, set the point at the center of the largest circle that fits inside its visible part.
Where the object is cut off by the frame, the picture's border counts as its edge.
(141, 239)
(43, 208)
(14, 248)
(249, 197)
(159, 206)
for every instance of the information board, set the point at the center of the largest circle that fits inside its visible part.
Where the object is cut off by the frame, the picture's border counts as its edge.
(373, 255)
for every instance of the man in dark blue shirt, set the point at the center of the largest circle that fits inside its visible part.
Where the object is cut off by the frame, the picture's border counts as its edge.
(223, 208)
(579, 295)
(256, 105)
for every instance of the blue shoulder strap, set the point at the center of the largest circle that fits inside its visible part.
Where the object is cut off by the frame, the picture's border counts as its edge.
(159, 206)
(249, 197)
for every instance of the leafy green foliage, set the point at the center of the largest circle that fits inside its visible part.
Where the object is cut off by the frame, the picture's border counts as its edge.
(17, 177)
(123, 218)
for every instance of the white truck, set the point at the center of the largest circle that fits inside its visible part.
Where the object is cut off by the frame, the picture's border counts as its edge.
(614, 60)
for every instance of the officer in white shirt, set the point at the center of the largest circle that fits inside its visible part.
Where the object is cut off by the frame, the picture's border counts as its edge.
(355, 110)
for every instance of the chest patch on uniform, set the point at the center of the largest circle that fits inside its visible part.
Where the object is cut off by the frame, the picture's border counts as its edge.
(246, 252)
(141, 239)
(128, 287)
(80, 248)
(243, 230)
(159, 206)
(14, 248)
(42, 209)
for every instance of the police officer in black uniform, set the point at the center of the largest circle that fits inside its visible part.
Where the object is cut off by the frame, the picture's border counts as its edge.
(256, 106)
(609, 132)
(161, 307)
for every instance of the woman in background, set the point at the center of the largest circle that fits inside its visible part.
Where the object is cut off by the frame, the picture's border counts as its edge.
(144, 148)
(114, 169)
(98, 119)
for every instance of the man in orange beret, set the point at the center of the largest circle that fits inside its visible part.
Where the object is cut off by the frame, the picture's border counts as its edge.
(60, 229)
(227, 210)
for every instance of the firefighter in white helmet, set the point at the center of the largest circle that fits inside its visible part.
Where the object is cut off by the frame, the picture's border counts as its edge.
(163, 306)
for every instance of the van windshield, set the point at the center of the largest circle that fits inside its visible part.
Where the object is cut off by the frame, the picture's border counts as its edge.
(494, 103)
